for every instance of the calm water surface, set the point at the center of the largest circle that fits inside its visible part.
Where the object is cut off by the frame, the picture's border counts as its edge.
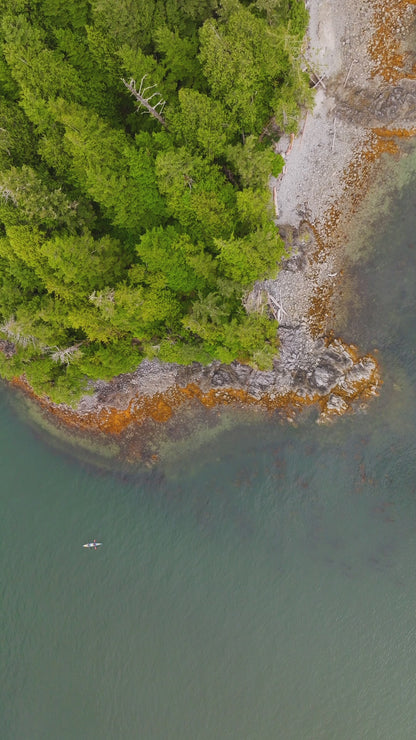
(261, 588)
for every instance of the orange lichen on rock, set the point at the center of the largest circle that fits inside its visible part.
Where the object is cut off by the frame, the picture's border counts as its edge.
(389, 59)
(160, 407)
(392, 64)
(357, 180)
(114, 421)
(320, 308)
(389, 133)
(334, 227)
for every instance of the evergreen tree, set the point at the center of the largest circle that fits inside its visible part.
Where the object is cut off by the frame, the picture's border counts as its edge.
(111, 170)
(202, 124)
(125, 234)
(41, 73)
(173, 257)
(80, 264)
(197, 194)
(251, 257)
(17, 139)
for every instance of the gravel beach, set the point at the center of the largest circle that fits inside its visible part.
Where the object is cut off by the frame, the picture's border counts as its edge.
(361, 104)
(352, 98)
(313, 177)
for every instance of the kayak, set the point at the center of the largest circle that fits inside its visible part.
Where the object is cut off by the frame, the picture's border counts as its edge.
(92, 545)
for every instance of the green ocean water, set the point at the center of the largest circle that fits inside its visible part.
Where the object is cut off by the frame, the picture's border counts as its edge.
(261, 586)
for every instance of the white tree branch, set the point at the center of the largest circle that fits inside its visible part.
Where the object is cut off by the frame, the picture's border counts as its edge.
(141, 98)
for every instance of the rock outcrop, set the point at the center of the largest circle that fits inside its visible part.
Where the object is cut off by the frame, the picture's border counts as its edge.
(310, 370)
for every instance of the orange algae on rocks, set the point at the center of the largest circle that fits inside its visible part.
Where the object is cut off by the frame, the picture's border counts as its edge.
(356, 181)
(401, 133)
(389, 60)
(114, 421)
(333, 229)
(392, 64)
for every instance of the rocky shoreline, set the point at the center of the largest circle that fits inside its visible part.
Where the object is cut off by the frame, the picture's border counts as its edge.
(365, 100)
(310, 370)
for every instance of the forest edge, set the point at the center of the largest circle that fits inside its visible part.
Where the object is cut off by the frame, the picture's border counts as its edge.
(314, 368)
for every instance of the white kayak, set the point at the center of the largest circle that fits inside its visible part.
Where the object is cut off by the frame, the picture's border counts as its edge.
(93, 545)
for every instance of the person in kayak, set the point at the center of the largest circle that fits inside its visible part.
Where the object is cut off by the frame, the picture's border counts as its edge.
(91, 545)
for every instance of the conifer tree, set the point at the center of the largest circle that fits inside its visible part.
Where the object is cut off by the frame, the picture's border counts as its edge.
(125, 234)
(113, 172)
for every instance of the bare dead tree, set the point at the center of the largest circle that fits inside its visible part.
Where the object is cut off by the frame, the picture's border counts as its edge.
(349, 72)
(144, 99)
(64, 356)
(276, 308)
(333, 138)
(7, 195)
(266, 129)
(102, 298)
(229, 175)
(17, 334)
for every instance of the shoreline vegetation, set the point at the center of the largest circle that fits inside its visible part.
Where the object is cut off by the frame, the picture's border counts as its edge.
(136, 152)
(364, 77)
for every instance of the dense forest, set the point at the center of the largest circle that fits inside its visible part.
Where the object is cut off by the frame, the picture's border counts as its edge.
(135, 154)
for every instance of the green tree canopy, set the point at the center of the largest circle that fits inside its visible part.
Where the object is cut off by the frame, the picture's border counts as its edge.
(135, 157)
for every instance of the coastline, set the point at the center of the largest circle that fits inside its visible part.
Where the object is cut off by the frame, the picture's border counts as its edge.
(364, 90)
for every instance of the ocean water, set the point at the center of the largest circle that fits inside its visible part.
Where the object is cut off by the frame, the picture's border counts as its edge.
(261, 586)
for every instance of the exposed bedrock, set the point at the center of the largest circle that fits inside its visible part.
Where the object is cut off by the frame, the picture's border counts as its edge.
(384, 105)
(309, 370)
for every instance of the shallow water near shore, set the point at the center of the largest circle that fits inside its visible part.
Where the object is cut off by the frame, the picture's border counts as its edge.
(260, 586)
